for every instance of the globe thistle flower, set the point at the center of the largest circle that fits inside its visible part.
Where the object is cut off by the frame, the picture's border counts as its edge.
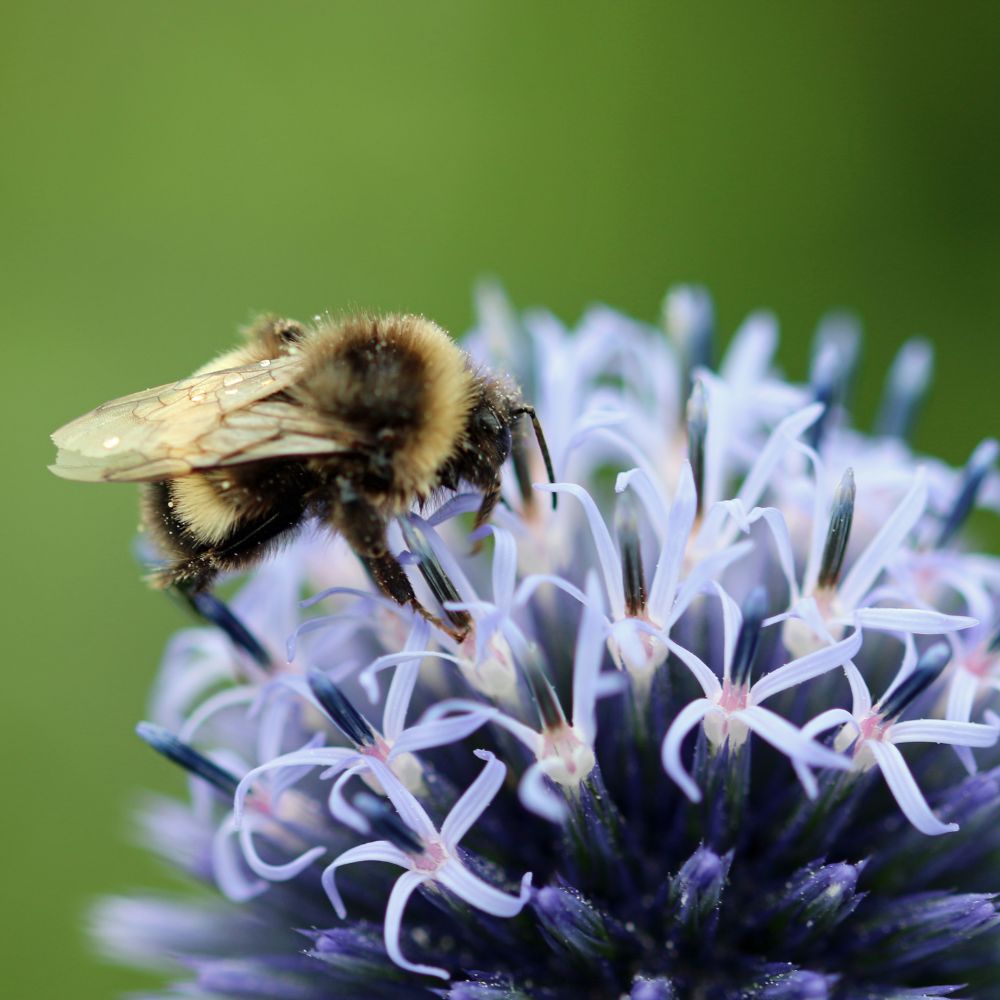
(585, 794)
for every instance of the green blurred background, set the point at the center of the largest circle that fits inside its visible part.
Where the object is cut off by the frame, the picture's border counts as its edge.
(169, 168)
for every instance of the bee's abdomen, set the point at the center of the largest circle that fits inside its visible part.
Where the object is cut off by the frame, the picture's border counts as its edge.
(224, 519)
(402, 385)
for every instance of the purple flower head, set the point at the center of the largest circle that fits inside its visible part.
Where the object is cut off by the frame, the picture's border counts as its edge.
(722, 725)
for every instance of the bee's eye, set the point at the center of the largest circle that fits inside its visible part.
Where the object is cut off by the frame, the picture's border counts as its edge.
(504, 442)
(290, 333)
(487, 426)
(486, 423)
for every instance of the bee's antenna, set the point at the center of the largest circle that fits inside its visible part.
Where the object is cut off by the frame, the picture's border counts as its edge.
(524, 408)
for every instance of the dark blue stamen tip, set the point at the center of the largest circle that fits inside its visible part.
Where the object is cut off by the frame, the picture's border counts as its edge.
(432, 571)
(835, 356)
(689, 319)
(543, 693)
(218, 613)
(977, 468)
(697, 430)
(163, 741)
(385, 822)
(839, 532)
(825, 393)
(627, 530)
(932, 661)
(340, 711)
(906, 387)
(754, 610)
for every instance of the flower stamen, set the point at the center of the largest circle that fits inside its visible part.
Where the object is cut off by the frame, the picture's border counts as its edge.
(838, 533)
(193, 761)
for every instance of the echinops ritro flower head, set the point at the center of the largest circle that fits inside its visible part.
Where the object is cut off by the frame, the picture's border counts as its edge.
(721, 727)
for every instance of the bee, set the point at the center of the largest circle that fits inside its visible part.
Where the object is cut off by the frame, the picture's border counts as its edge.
(350, 421)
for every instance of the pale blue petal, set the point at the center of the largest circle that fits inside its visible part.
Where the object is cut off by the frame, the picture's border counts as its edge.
(411, 812)
(404, 680)
(587, 662)
(702, 672)
(455, 877)
(272, 872)
(783, 736)
(337, 803)
(749, 354)
(398, 898)
(670, 754)
(704, 571)
(671, 561)
(336, 757)
(861, 698)
(227, 866)
(423, 736)
(230, 698)
(641, 483)
(732, 619)
(374, 850)
(905, 791)
(775, 521)
(607, 556)
(460, 503)
(504, 567)
(537, 797)
(914, 620)
(805, 668)
(969, 734)
(962, 695)
(783, 436)
(368, 679)
(885, 544)
(473, 801)
(808, 610)
(530, 584)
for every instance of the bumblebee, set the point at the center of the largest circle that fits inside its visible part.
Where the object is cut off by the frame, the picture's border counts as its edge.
(349, 421)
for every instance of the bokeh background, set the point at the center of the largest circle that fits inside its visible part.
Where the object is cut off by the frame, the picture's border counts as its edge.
(169, 168)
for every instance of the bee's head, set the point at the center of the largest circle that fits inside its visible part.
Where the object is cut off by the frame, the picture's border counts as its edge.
(488, 434)
(490, 431)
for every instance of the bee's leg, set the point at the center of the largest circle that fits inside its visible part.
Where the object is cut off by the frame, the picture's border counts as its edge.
(193, 562)
(392, 581)
(363, 529)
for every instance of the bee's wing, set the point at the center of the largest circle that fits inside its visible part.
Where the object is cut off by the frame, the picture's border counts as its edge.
(216, 418)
